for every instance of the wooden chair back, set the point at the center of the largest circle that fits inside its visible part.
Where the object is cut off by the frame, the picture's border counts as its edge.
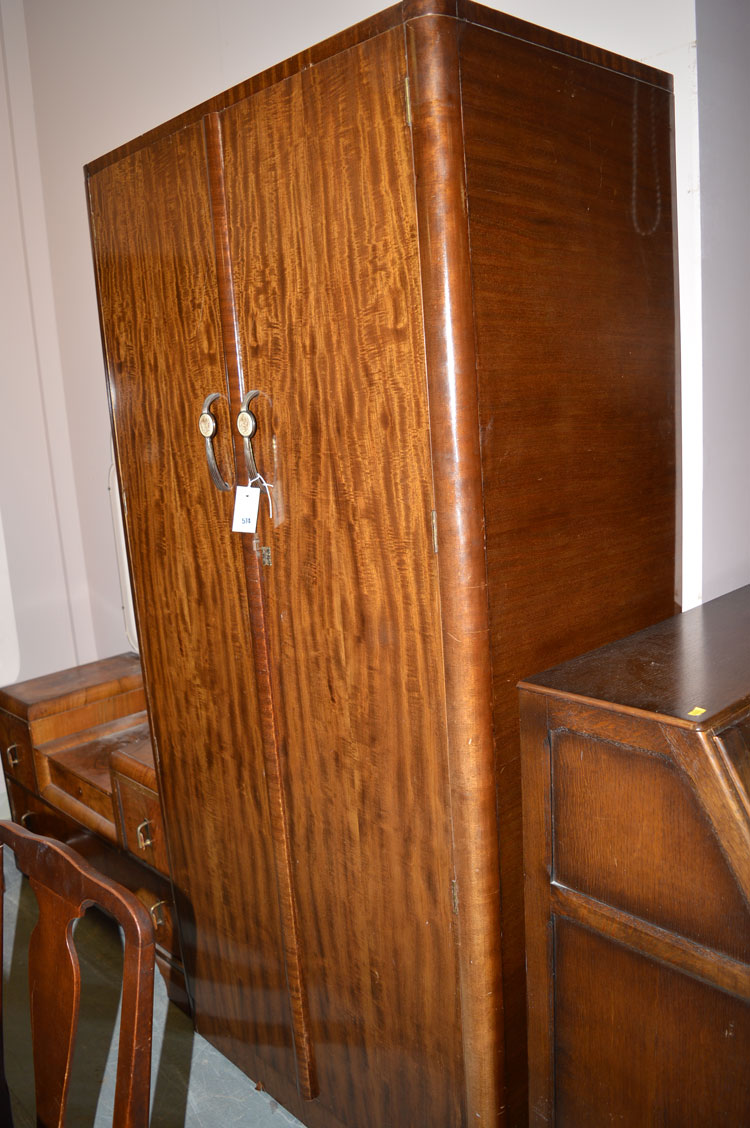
(65, 886)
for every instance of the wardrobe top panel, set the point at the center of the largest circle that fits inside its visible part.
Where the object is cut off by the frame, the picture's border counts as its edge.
(693, 669)
(464, 11)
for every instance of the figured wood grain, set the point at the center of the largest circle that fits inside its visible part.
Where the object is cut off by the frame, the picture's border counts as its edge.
(134, 758)
(99, 712)
(72, 688)
(156, 275)
(569, 201)
(86, 777)
(396, 15)
(306, 1074)
(323, 245)
(79, 804)
(338, 234)
(454, 432)
(69, 701)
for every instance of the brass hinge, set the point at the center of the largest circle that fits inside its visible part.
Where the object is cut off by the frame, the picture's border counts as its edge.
(433, 518)
(454, 895)
(407, 92)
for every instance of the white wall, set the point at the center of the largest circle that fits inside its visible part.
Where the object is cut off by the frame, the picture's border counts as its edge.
(100, 73)
(45, 586)
(724, 82)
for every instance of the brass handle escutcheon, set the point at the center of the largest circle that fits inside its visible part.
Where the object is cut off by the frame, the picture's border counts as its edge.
(207, 427)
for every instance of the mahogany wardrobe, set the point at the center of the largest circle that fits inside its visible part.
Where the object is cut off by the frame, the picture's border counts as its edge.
(415, 288)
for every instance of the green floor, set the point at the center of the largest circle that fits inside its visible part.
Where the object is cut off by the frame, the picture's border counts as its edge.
(193, 1085)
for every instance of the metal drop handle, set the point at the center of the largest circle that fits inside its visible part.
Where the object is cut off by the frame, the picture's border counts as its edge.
(207, 426)
(247, 425)
(157, 914)
(144, 835)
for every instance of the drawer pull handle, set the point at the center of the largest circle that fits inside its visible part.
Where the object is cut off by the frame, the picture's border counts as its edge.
(12, 754)
(143, 835)
(156, 912)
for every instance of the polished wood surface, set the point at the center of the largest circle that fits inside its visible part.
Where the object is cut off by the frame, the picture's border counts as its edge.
(330, 331)
(58, 730)
(135, 798)
(434, 68)
(73, 688)
(306, 1067)
(395, 16)
(65, 886)
(135, 759)
(563, 159)
(637, 858)
(152, 889)
(151, 223)
(67, 787)
(408, 240)
(693, 669)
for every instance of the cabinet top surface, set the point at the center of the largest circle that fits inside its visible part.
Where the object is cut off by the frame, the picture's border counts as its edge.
(66, 689)
(465, 11)
(693, 668)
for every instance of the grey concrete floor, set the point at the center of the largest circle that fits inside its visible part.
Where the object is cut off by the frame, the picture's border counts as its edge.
(192, 1084)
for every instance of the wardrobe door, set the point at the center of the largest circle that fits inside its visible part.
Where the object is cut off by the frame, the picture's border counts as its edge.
(156, 274)
(321, 216)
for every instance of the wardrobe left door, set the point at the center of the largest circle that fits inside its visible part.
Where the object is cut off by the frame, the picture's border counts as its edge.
(156, 273)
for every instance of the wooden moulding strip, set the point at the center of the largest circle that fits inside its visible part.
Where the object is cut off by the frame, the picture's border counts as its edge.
(706, 964)
(306, 1071)
(433, 61)
(725, 805)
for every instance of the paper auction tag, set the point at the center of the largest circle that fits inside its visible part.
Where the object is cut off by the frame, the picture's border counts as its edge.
(246, 503)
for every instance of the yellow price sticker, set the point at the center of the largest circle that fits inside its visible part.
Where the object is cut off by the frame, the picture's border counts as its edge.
(696, 712)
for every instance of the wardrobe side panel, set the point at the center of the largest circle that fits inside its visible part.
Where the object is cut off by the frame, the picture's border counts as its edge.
(158, 296)
(322, 220)
(569, 194)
